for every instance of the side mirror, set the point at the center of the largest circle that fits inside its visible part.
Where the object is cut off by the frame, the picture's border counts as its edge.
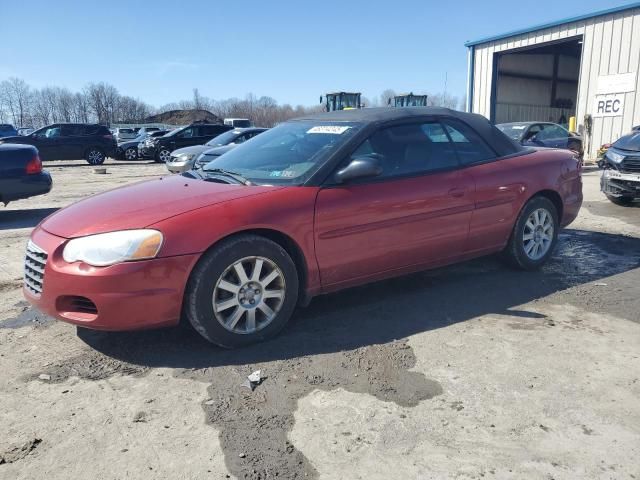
(360, 167)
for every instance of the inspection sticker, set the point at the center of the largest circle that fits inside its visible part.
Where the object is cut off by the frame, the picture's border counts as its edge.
(333, 129)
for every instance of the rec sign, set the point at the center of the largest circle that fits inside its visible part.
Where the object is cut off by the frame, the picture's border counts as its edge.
(609, 105)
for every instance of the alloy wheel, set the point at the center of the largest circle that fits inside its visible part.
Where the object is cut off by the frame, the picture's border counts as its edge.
(131, 154)
(248, 295)
(538, 234)
(95, 157)
(164, 155)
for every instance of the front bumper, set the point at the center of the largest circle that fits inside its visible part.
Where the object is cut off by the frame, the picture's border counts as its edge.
(126, 296)
(176, 165)
(619, 184)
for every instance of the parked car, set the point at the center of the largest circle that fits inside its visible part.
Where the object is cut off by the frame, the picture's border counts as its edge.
(185, 158)
(147, 149)
(25, 131)
(7, 130)
(620, 180)
(130, 149)
(70, 141)
(21, 174)
(605, 146)
(194, 134)
(122, 134)
(309, 207)
(543, 134)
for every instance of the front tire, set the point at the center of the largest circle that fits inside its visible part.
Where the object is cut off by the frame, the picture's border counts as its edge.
(163, 155)
(241, 292)
(131, 154)
(622, 201)
(534, 235)
(95, 156)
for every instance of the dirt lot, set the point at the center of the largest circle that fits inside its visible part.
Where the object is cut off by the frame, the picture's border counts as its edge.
(465, 372)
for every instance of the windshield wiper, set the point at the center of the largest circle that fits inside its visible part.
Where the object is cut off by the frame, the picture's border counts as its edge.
(236, 176)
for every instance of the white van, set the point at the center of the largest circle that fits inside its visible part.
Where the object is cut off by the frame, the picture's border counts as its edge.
(238, 122)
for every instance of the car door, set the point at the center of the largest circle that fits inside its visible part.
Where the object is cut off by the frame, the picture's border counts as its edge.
(71, 142)
(184, 138)
(415, 213)
(498, 188)
(47, 142)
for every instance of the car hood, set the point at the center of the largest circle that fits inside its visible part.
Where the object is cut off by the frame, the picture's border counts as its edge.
(195, 150)
(629, 142)
(142, 204)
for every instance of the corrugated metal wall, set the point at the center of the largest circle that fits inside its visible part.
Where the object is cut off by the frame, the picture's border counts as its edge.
(611, 45)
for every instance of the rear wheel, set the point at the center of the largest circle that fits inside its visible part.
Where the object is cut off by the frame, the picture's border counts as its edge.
(622, 201)
(163, 155)
(242, 291)
(95, 156)
(534, 235)
(131, 153)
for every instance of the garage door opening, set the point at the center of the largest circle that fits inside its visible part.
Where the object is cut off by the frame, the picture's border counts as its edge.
(537, 84)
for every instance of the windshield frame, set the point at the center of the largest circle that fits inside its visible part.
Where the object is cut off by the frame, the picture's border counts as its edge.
(305, 177)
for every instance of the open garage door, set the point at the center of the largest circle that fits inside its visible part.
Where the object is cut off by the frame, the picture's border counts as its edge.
(538, 83)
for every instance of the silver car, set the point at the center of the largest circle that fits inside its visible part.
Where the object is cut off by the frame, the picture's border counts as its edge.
(184, 159)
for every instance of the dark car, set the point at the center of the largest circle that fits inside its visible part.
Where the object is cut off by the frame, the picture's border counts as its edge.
(21, 174)
(184, 159)
(312, 206)
(620, 180)
(7, 130)
(194, 134)
(543, 134)
(70, 141)
(130, 149)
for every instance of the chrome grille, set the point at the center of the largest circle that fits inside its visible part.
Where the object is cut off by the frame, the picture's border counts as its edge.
(34, 263)
(630, 164)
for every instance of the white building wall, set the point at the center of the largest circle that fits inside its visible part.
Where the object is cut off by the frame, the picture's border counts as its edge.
(611, 45)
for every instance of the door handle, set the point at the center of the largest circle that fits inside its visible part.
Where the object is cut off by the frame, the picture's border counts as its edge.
(457, 192)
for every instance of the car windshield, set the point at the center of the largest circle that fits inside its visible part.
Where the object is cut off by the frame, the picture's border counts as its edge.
(287, 154)
(512, 130)
(173, 132)
(223, 139)
(629, 142)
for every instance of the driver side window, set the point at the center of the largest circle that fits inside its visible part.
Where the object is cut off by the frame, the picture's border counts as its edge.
(186, 133)
(411, 149)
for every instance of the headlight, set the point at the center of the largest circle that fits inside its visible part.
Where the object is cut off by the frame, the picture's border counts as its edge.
(615, 157)
(185, 157)
(114, 247)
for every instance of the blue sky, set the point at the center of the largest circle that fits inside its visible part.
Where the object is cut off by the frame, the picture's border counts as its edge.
(293, 51)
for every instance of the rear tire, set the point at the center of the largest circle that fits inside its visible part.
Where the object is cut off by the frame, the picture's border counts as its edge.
(622, 201)
(95, 156)
(534, 235)
(233, 302)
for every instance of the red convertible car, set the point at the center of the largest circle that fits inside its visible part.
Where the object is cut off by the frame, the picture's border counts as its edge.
(314, 205)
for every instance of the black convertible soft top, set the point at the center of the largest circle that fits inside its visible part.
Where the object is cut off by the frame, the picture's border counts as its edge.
(502, 144)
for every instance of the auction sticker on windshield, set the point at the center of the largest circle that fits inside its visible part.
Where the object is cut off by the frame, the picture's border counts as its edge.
(333, 129)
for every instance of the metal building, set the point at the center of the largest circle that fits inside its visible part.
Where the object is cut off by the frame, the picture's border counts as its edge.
(584, 66)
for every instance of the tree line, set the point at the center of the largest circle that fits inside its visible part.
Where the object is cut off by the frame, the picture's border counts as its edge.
(25, 106)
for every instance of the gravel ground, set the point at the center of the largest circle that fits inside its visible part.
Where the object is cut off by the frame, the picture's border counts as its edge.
(468, 371)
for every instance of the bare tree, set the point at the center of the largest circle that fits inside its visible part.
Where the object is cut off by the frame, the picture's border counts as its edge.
(16, 96)
(386, 96)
